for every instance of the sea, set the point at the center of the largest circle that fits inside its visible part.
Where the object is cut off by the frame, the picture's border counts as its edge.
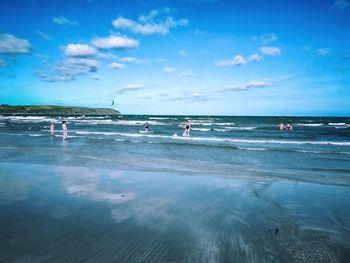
(237, 189)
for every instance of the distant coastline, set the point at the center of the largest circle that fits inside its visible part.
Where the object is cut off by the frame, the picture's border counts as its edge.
(54, 110)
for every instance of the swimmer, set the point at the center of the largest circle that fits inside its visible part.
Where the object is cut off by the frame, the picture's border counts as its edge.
(64, 130)
(289, 127)
(282, 127)
(52, 128)
(187, 128)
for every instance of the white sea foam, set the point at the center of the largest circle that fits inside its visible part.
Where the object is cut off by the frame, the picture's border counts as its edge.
(337, 123)
(253, 149)
(36, 135)
(243, 128)
(32, 119)
(210, 139)
(96, 133)
(201, 129)
(201, 123)
(161, 118)
(224, 123)
(309, 124)
(227, 129)
(322, 152)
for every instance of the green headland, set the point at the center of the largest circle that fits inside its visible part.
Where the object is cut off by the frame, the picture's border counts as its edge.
(54, 110)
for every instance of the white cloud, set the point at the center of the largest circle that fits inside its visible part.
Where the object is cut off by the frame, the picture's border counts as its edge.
(199, 96)
(147, 24)
(169, 70)
(43, 35)
(79, 50)
(130, 87)
(115, 65)
(133, 60)
(265, 38)
(69, 69)
(10, 44)
(83, 64)
(153, 14)
(255, 57)
(114, 42)
(134, 86)
(54, 78)
(323, 52)
(61, 20)
(236, 61)
(247, 86)
(184, 96)
(270, 51)
(341, 4)
(183, 53)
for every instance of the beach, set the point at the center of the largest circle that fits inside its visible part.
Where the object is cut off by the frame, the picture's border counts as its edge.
(236, 190)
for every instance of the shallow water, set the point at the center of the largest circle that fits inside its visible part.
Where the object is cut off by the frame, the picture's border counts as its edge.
(113, 194)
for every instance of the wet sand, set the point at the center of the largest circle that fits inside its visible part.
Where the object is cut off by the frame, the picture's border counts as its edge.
(61, 213)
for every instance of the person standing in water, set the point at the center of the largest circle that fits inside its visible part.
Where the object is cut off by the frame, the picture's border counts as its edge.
(64, 130)
(52, 128)
(146, 126)
(187, 128)
(289, 127)
(282, 127)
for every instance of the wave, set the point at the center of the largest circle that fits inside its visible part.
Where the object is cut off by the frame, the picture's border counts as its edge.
(310, 124)
(337, 123)
(201, 129)
(243, 128)
(161, 118)
(37, 135)
(224, 123)
(253, 149)
(321, 152)
(96, 133)
(119, 122)
(32, 119)
(222, 140)
(227, 129)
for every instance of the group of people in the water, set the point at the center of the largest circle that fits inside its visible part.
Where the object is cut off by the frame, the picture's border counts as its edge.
(185, 133)
(187, 128)
(289, 126)
(64, 129)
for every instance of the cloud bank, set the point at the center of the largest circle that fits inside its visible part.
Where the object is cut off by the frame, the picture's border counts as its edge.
(152, 23)
(10, 44)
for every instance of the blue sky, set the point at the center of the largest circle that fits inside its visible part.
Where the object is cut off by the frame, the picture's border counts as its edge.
(210, 57)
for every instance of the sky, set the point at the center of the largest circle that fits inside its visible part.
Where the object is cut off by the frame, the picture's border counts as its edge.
(201, 57)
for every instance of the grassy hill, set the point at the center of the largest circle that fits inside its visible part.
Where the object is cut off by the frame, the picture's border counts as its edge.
(54, 110)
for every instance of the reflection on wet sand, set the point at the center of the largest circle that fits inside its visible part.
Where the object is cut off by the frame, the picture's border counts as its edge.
(99, 215)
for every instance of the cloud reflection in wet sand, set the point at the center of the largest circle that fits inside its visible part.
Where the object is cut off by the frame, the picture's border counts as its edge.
(87, 183)
(213, 219)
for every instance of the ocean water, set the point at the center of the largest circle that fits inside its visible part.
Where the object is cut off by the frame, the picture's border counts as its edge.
(236, 190)
(318, 149)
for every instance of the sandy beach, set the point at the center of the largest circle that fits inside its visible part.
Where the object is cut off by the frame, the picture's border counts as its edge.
(65, 213)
